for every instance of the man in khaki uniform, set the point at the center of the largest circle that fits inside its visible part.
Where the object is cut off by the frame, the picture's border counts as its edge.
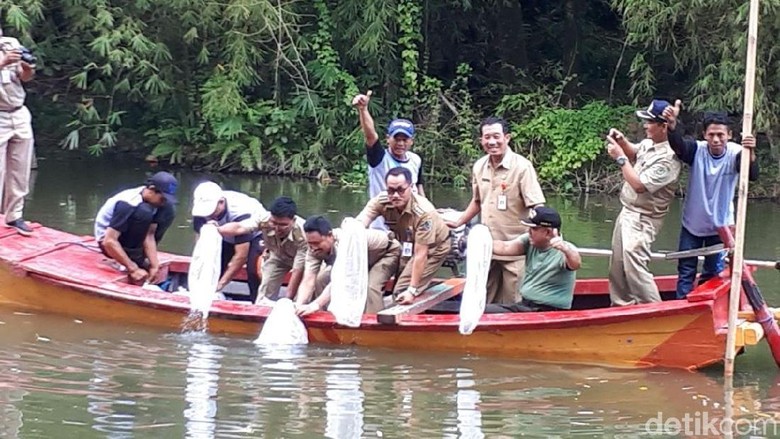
(285, 249)
(323, 240)
(425, 239)
(16, 135)
(505, 188)
(650, 170)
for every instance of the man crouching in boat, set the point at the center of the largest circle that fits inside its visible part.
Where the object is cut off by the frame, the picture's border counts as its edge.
(550, 264)
(425, 239)
(132, 222)
(235, 215)
(323, 240)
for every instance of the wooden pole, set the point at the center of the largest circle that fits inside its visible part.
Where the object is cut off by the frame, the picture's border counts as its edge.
(739, 239)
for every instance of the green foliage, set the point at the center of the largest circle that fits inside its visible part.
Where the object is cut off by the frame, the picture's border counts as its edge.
(568, 144)
(708, 41)
(409, 21)
(266, 85)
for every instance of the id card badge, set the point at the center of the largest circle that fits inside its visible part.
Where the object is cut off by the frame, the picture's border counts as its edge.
(406, 250)
(502, 202)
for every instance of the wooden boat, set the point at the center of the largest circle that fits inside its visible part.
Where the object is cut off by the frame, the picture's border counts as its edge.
(57, 272)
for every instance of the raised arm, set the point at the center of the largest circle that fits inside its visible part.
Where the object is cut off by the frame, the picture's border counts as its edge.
(684, 149)
(366, 121)
(629, 149)
(570, 253)
(629, 173)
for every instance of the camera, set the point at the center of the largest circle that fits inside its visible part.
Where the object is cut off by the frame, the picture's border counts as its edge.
(27, 56)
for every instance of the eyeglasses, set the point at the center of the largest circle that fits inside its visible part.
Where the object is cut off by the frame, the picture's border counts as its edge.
(396, 190)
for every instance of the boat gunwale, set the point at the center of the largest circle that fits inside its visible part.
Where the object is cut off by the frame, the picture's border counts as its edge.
(236, 310)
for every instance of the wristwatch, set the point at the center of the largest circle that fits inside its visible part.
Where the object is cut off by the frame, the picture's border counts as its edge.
(622, 160)
(415, 292)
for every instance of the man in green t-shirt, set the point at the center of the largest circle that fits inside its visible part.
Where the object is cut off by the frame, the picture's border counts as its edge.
(550, 264)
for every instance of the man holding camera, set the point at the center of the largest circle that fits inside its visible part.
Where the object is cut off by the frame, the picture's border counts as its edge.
(649, 170)
(16, 135)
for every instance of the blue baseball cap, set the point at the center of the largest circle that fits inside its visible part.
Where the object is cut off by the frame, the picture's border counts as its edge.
(164, 183)
(654, 112)
(400, 126)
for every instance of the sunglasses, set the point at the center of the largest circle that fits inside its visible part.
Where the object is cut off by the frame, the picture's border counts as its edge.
(396, 190)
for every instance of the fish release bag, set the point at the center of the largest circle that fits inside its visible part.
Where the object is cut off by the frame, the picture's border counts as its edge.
(283, 326)
(205, 267)
(479, 253)
(349, 275)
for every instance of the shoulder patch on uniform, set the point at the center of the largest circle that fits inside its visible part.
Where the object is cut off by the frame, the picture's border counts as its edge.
(661, 171)
(426, 225)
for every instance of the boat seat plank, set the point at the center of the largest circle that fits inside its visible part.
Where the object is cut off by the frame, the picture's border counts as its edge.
(73, 263)
(17, 248)
(430, 297)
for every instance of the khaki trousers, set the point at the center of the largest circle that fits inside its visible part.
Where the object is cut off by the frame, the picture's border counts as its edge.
(378, 275)
(16, 153)
(630, 279)
(503, 282)
(273, 269)
(436, 257)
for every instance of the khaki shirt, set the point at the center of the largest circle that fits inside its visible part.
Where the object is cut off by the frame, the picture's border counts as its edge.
(515, 178)
(292, 248)
(658, 169)
(418, 222)
(12, 97)
(12, 92)
(377, 240)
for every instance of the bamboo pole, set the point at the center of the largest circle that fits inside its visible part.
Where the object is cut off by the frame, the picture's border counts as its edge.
(739, 239)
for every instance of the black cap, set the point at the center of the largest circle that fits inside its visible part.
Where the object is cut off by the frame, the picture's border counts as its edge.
(164, 183)
(543, 216)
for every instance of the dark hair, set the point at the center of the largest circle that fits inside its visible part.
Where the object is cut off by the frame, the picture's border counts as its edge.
(319, 224)
(716, 118)
(400, 170)
(284, 207)
(492, 120)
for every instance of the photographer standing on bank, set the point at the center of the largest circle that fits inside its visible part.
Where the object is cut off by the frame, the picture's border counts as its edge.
(17, 65)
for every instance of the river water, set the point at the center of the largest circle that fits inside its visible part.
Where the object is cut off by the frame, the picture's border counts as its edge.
(64, 377)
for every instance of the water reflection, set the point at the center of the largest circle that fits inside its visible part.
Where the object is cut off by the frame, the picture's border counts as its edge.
(203, 366)
(468, 399)
(11, 398)
(344, 402)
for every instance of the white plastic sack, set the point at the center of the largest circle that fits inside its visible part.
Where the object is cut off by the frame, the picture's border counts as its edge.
(479, 252)
(283, 326)
(204, 271)
(349, 275)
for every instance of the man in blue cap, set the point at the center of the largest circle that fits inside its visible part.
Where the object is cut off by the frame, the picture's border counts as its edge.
(650, 170)
(400, 138)
(132, 222)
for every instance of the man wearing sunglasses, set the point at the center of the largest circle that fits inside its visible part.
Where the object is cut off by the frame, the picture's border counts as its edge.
(131, 223)
(425, 239)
